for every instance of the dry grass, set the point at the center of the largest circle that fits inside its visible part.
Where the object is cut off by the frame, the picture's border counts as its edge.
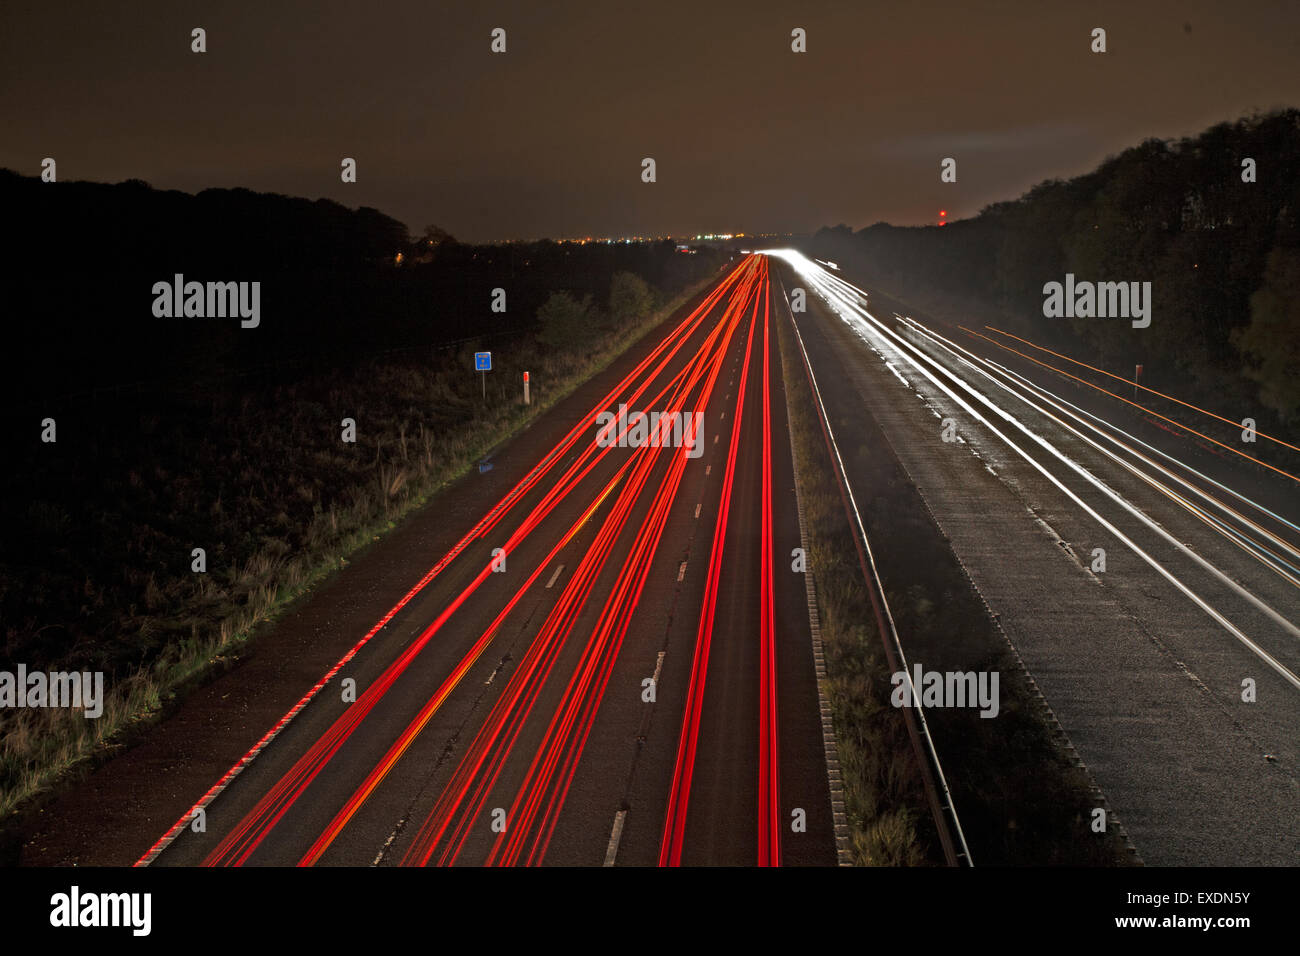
(293, 503)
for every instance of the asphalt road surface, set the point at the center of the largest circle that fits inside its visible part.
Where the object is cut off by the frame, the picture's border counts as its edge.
(611, 664)
(1172, 665)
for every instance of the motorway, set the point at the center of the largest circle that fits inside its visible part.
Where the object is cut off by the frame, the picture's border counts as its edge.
(612, 664)
(630, 680)
(1172, 666)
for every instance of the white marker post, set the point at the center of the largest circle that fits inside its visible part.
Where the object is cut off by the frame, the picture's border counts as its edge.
(526, 401)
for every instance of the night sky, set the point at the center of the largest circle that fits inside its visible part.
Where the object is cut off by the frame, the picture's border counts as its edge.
(547, 139)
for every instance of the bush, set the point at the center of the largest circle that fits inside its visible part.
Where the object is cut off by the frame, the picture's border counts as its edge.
(565, 322)
(630, 298)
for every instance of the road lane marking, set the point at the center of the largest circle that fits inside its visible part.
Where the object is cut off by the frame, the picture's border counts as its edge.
(379, 857)
(890, 365)
(615, 835)
(697, 511)
(681, 572)
(551, 583)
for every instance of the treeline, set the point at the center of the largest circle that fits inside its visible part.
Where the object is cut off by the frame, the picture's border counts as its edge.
(233, 440)
(337, 285)
(1217, 236)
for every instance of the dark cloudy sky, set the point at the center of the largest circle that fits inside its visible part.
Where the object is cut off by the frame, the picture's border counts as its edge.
(547, 139)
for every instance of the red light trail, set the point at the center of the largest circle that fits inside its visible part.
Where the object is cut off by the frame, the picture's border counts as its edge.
(539, 721)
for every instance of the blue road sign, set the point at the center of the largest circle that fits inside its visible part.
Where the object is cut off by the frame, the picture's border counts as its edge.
(482, 361)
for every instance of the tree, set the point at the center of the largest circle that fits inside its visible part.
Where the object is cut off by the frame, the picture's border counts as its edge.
(433, 243)
(564, 320)
(1271, 338)
(435, 236)
(630, 298)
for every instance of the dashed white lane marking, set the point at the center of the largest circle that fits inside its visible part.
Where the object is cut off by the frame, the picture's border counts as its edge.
(659, 666)
(681, 572)
(715, 439)
(379, 857)
(697, 511)
(551, 583)
(615, 835)
(707, 469)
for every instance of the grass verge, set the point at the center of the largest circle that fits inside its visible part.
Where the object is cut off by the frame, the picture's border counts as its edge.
(281, 504)
(884, 798)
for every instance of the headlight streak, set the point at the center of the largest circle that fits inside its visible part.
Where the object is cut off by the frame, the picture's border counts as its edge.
(831, 288)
